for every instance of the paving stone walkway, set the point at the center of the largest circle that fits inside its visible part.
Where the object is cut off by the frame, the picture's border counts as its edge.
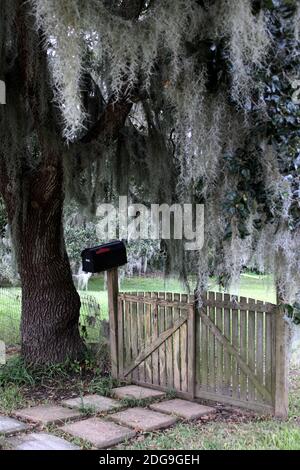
(9, 425)
(39, 441)
(143, 420)
(47, 414)
(137, 393)
(183, 409)
(94, 402)
(100, 433)
(113, 427)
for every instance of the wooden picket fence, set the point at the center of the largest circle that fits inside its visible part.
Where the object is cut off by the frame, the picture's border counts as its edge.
(226, 350)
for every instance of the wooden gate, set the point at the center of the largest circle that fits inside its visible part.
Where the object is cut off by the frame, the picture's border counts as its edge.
(227, 350)
(157, 346)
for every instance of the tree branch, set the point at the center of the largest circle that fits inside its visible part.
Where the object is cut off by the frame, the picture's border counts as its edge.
(131, 9)
(110, 123)
(116, 112)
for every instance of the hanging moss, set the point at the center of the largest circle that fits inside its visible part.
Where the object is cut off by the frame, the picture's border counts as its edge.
(208, 124)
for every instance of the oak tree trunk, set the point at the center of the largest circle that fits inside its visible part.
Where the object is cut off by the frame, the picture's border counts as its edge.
(50, 302)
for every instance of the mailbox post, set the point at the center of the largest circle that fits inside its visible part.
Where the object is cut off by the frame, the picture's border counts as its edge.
(108, 258)
(113, 292)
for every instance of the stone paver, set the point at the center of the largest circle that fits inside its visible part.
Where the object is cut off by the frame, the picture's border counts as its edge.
(46, 414)
(137, 393)
(182, 408)
(96, 402)
(142, 419)
(40, 441)
(9, 425)
(102, 434)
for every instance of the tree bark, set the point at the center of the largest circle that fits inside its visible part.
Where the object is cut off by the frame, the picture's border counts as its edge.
(50, 302)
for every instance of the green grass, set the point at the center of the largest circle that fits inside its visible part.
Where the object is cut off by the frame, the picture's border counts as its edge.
(251, 285)
(260, 287)
(258, 433)
(11, 398)
(10, 301)
(22, 386)
(269, 435)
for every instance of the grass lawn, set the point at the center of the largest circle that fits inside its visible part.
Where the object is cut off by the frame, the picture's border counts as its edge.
(10, 305)
(234, 433)
(228, 429)
(253, 286)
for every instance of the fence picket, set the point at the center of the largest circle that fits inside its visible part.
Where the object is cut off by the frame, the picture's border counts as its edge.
(169, 345)
(162, 349)
(191, 346)
(198, 348)
(243, 349)
(219, 346)
(204, 352)
(127, 329)
(269, 339)
(260, 347)
(227, 356)
(141, 335)
(134, 335)
(211, 347)
(148, 333)
(251, 347)
(183, 351)
(236, 343)
(176, 346)
(121, 351)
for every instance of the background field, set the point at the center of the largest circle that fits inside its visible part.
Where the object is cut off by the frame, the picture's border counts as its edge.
(95, 304)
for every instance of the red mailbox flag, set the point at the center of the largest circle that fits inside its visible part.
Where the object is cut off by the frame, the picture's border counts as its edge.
(103, 250)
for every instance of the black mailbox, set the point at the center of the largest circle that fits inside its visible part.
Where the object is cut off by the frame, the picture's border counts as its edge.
(104, 257)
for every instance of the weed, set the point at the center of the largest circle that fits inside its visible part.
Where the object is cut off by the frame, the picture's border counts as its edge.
(137, 402)
(171, 394)
(11, 398)
(15, 372)
(87, 410)
(102, 386)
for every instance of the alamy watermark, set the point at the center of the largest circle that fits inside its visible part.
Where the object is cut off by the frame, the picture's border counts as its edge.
(156, 222)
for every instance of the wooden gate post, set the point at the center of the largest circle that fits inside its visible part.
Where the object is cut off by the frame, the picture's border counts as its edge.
(113, 292)
(281, 362)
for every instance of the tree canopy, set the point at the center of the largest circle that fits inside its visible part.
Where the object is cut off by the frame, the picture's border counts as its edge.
(174, 100)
